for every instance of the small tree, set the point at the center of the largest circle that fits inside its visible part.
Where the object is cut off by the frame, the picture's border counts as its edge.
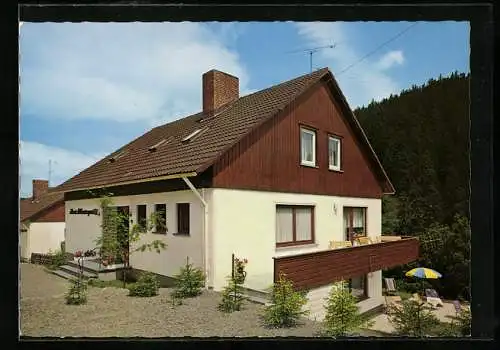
(342, 314)
(232, 296)
(286, 306)
(119, 239)
(462, 323)
(412, 318)
(189, 281)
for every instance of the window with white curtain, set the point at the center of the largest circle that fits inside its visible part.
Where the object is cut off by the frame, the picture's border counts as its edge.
(308, 147)
(333, 153)
(294, 225)
(354, 222)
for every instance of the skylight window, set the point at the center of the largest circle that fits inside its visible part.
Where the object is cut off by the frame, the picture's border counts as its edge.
(117, 155)
(158, 144)
(193, 134)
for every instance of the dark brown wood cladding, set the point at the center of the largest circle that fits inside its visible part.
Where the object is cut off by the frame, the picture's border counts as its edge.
(203, 180)
(317, 269)
(269, 157)
(54, 213)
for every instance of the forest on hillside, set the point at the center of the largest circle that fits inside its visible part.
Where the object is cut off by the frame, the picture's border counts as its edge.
(422, 139)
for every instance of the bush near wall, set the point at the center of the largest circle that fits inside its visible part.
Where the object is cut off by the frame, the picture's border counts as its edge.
(46, 259)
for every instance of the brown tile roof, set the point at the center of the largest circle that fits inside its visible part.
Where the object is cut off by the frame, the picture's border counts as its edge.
(29, 207)
(226, 127)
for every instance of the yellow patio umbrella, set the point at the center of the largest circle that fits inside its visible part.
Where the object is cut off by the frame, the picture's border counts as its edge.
(423, 272)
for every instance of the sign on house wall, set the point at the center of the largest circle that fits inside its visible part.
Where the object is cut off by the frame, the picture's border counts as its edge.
(84, 211)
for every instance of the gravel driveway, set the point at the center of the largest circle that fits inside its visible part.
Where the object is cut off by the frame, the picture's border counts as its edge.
(109, 312)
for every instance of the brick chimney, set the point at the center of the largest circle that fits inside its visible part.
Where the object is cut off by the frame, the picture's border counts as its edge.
(219, 88)
(40, 187)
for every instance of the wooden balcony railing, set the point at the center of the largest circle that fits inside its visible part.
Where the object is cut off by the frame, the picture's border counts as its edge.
(321, 268)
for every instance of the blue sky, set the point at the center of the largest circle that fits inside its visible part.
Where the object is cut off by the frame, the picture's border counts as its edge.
(88, 88)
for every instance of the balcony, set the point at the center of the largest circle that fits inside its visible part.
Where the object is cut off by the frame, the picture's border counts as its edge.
(312, 270)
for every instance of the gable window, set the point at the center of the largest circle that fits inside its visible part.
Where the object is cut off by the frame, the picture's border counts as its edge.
(307, 147)
(161, 218)
(183, 218)
(294, 225)
(333, 153)
(141, 216)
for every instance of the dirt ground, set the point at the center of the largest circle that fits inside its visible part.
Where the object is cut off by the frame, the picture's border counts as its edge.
(109, 312)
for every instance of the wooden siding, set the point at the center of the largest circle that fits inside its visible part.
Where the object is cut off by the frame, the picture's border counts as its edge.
(317, 269)
(269, 157)
(53, 214)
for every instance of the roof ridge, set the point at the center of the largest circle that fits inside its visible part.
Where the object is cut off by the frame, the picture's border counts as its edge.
(245, 96)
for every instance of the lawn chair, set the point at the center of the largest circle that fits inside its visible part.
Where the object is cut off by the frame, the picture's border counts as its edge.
(390, 286)
(458, 306)
(364, 240)
(432, 297)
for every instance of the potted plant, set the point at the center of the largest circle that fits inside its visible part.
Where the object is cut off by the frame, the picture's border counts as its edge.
(239, 270)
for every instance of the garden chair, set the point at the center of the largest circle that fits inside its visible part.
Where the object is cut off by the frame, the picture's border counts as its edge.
(390, 286)
(458, 306)
(364, 240)
(433, 298)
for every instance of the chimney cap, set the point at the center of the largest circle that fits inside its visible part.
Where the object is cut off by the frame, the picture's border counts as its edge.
(222, 72)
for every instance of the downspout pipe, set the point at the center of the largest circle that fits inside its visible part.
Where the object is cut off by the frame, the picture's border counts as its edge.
(204, 238)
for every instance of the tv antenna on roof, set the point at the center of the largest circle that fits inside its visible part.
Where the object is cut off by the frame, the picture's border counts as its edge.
(312, 51)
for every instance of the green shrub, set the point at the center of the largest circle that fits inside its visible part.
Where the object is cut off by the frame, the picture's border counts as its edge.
(412, 318)
(462, 322)
(411, 287)
(189, 282)
(232, 297)
(77, 293)
(147, 285)
(57, 259)
(286, 305)
(342, 316)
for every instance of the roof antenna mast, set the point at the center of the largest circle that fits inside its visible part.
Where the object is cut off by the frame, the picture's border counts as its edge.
(312, 51)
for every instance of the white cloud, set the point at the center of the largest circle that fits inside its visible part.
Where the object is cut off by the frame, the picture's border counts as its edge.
(121, 71)
(34, 164)
(363, 82)
(390, 59)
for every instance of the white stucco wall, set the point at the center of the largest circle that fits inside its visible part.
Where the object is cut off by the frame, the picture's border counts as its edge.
(41, 237)
(244, 223)
(82, 230)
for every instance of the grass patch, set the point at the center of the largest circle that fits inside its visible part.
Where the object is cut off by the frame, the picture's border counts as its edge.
(94, 282)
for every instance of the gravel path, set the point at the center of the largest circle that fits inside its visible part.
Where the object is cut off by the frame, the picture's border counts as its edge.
(109, 312)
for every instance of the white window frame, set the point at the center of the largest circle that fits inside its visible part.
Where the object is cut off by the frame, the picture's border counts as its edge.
(339, 143)
(313, 133)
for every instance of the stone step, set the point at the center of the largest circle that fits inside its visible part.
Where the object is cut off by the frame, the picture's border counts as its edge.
(257, 300)
(72, 270)
(63, 274)
(257, 293)
(88, 265)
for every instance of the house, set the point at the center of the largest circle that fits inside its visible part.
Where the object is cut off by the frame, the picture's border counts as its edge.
(275, 177)
(41, 220)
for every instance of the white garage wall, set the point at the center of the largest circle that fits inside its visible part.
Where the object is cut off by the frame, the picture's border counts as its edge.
(42, 237)
(244, 223)
(82, 230)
